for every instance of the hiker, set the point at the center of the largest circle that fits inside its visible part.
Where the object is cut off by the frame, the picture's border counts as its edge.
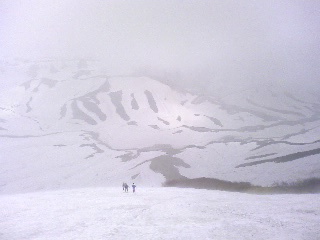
(126, 187)
(123, 186)
(133, 188)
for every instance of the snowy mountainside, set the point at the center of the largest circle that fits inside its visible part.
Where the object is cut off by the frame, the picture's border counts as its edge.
(69, 124)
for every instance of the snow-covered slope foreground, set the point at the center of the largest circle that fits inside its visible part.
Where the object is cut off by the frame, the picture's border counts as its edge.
(158, 213)
(69, 124)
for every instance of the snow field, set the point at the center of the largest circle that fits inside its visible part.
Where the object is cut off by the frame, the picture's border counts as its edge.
(158, 213)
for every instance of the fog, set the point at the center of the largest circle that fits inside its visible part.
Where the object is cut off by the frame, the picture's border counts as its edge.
(199, 44)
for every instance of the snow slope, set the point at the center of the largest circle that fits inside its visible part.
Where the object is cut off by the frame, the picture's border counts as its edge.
(158, 213)
(69, 125)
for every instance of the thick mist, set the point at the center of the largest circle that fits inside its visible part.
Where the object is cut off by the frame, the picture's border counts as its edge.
(204, 45)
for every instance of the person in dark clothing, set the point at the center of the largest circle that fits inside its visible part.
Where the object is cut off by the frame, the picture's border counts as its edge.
(126, 187)
(133, 188)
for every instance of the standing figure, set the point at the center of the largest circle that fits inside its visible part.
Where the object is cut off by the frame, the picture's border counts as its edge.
(123, 186)
(126, 187)
(133, 188)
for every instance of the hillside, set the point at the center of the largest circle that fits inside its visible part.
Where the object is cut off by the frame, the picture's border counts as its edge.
(69, 124)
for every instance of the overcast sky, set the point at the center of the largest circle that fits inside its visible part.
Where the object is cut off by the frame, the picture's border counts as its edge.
(205, 42)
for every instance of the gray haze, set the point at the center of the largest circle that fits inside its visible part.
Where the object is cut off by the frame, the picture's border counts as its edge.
(202, 44)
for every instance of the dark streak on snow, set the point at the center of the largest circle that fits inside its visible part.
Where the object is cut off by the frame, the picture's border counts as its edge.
(313, 118)
(151, 101)
(29, 136)
(133, 123)
(259, 142)
(128, 156)
(59, 145)
(179, 131)
(89, 135)
(95, 136)
(94, 147)
(49, 82)
(135, 176)
(116, 98)
(90, 102)
(275, 110)
(45, 81)
(164, 148)
(93, 107)
(302, 131)
(81, 73)
(215, 121)
(134, 103)
(79, 114)
(282, 159)
(198, 129)
(28, 105)
(104, 88)
(267, 142)
(164, 121)
(311, 185)
(289, 95)
(167, 166)
(260, 156)
(233, 109)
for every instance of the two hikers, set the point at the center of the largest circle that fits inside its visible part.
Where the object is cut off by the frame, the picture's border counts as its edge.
(125, 187)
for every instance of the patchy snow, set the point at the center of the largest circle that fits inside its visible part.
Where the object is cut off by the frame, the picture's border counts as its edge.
(71, 124)
(158, 213)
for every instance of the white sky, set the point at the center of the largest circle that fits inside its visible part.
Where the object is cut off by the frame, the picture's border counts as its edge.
(216, 42)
